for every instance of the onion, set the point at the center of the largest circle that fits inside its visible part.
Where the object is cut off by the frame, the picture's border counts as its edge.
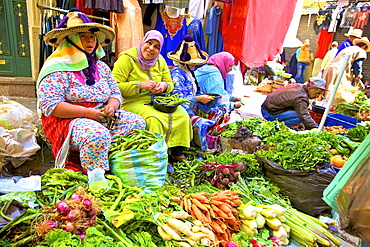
(225, 181)
(229, 244)
(239, 166)
(91, 213)
(69, 227)
(82, 236)
(72, 214)
(51, 224)
(76, 197)
(87, 204)
(225, 171)
(63, 207)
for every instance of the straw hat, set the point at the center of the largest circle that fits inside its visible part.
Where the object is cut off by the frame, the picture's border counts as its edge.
(77, 22)
(188, 52)
(363, 40)
(354, 32)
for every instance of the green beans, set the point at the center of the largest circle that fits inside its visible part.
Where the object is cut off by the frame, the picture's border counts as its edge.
(139, 139)
(173, 99)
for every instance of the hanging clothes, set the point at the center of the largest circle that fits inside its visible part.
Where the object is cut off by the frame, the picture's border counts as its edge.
(177, 3)
(195, 30)
(348, 17)
(105, 5)
(173, 30)
(152, 1)
(233, 30)
(198, 8)
(335, 20)
(261, 44)
(361, 19)
(323, 43)
(215, 40)
(128, 26)
(80, 4)
(322, 20)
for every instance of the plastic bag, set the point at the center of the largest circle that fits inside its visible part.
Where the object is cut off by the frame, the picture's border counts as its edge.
(303, 188)
(97, 179)
(245, 140)
(15, 115)
(353, 203)
(16, 146)
(139, 167)
(20, 184)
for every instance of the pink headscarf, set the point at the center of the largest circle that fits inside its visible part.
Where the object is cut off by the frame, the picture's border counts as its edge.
(222, 60)
(152, 34)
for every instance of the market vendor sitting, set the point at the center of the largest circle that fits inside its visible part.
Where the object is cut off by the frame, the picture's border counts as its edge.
(289, 104)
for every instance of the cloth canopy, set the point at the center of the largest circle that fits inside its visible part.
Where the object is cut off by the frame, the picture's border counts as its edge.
(265, 30)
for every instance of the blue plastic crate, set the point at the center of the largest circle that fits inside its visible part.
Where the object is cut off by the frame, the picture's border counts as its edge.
(336, 119)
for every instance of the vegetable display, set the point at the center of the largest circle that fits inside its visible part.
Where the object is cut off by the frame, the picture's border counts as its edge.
(173, 99)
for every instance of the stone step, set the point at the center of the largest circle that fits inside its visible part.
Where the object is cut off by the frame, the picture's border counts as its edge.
(17, 86)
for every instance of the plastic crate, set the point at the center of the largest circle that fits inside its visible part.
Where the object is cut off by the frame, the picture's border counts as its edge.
(361, 154)
(315, 116)
(337, 119)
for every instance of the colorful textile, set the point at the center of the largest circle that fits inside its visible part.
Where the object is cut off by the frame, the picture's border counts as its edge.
(233, 26)
(262, 44)
(172, 24)
(170, 42)
(175, 127)
(94, 140)
(67, 58)
(128, 26)
(195, 30)
(323, 42)
(215, 40)
(185, 88)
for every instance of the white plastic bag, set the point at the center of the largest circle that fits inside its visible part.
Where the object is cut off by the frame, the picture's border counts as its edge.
(14, 115)
(20, 184)
(16, 146)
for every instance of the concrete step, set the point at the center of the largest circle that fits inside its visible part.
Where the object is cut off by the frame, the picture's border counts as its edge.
(17, 86)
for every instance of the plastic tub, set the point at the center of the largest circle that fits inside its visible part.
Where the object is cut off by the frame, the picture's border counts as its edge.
(337, 119)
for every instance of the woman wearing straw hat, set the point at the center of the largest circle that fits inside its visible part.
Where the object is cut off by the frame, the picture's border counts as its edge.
(353, 70)
(78, 98)
(186, 56)
(352, 35)
(141, 72)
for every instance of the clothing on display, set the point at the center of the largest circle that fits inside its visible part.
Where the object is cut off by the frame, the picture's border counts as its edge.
(172, 36)
(322, 20)
(105, 5)
(128, 26)
(215, 39)
(177, 3)
(348, 17)
(195, 30)
(361, 19)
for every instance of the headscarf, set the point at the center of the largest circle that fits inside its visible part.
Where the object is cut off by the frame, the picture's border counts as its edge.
(68, 58)
(222, 60)
(152, 34)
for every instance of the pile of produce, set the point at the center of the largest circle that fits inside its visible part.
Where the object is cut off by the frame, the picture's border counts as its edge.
(173, 99)
(357, 109)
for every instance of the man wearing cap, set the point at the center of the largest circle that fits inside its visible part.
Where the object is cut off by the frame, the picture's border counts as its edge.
(289, 104)
(352, 35)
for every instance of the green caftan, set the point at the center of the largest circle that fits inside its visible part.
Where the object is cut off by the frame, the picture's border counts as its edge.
(176, 127)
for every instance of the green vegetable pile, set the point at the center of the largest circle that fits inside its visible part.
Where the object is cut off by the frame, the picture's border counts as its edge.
(173, 99)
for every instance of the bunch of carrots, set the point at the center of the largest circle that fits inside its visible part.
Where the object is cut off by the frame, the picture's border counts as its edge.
(219, 211)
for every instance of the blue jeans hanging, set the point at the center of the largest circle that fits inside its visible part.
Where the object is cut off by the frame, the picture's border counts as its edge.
(301, 71)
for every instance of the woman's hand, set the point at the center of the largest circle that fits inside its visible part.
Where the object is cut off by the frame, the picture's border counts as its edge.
(109, 110)
(160, 87)
(235, 99)
(237, 105)
(95, 114)
(148, 85)
(204, 98)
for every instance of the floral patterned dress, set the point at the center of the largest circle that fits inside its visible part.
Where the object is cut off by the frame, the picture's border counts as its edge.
(91, 138)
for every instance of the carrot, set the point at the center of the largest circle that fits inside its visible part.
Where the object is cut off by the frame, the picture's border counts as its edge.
(219, 197)
(216, 202)
(199, 214)
(225, 207)
(216, 227)
(176, 199)
(200, 197)
(222, 214)
(237, 202)
(208, 215)
(212, 213)
(229, 202)
(215, 208)
(189, 202)
(182, 204)
(199, 204)
(228, 233)
(186, 205)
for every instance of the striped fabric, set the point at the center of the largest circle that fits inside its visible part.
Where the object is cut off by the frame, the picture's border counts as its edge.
(177, 3)
(140, 167)
(67, 58)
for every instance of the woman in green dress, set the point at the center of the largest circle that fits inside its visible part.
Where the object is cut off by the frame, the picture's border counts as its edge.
(142, 71)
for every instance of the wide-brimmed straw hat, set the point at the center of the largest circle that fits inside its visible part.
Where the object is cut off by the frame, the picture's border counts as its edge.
(188, 52)
(354, 32)
(363, 40)
(77, 22)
